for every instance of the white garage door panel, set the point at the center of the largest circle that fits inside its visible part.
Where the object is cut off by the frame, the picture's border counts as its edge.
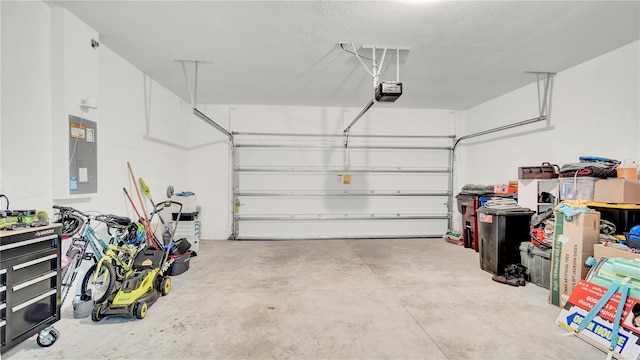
(343, 205)
(268, 181)
(304, 187)
(384, 158)
(341, 229)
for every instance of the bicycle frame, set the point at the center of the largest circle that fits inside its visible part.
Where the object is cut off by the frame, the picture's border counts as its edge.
(111, 254)
(91, 238)
(86, 244)
(85, 238)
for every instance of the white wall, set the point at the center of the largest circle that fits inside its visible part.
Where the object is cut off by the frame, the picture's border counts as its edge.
(0, 97)
(26, 105)
(595, 111)
(151, 131)
(158, 158)
(74, 76)
(208, 174)
(380, 119)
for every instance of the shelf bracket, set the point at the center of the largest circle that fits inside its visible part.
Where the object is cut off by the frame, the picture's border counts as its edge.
(544, 105)
(193, 95)
(546, 80)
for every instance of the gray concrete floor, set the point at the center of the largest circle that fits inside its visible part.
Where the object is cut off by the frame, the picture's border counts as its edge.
(356, 299)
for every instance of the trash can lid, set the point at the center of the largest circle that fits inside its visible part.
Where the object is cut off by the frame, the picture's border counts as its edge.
(515, 211)
(476, 189)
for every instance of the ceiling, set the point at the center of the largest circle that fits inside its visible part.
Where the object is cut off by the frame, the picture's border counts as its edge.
(462, 53)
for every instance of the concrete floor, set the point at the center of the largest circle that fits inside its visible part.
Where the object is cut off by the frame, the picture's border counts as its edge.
(365, 299)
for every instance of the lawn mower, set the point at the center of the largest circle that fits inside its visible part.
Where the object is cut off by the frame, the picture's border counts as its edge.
(140, 289)
(149, 278)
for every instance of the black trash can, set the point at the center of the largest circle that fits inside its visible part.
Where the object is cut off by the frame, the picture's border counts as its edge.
(468, 203)
(467, 206)
(500, 232)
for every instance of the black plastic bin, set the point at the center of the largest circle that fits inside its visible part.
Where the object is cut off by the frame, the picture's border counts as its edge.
(500, 232)
(624, 216)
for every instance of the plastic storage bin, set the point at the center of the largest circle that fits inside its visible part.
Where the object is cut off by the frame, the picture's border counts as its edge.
(577, 188)
(500, 233)
(538, 263)
(624, 216)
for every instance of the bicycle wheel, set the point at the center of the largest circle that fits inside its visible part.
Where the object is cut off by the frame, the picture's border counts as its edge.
(68, 273)
(104, 285)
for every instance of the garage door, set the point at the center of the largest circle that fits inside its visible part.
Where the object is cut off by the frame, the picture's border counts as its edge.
(305, 186)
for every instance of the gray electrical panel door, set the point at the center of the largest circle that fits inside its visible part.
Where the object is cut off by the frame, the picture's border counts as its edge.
(83, 156)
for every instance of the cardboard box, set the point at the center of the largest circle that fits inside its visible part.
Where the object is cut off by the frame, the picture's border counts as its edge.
(617, 191)
(510, 188)
(601, 251)
(598, 331)
(574, 239)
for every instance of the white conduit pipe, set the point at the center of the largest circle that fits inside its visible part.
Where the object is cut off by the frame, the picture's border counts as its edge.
(398, 64)
(186, 79)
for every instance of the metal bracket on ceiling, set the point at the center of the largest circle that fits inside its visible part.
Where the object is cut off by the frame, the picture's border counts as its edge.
(376, 68)
(544, 105)
(546, 79)
(193, 95)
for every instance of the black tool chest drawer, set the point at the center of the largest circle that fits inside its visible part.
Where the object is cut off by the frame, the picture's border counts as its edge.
(3, 303)
(29, 282)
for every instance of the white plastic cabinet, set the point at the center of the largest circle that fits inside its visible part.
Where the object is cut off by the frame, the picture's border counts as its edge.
(530, 191)
(189, 228)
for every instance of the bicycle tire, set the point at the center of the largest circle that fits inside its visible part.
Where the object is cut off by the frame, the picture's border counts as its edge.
(68, 275)
(105, 284)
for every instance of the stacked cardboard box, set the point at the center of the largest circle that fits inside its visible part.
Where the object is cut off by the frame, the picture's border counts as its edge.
(617, 191)
(574, 239)
(601, 251)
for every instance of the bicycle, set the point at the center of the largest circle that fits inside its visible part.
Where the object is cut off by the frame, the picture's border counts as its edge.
(120, 253)
(78, 225)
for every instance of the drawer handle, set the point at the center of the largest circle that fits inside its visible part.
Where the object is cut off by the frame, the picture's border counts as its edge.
(34, 300)
(33, 262)
(3, 271)
(27, 242)
(36, 280)
(3, 306)
(2, 323)
(3, 289)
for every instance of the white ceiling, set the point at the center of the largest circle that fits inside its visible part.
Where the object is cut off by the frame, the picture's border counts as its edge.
(286, 52)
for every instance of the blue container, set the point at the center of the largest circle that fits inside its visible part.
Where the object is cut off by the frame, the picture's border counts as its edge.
(633, 240)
